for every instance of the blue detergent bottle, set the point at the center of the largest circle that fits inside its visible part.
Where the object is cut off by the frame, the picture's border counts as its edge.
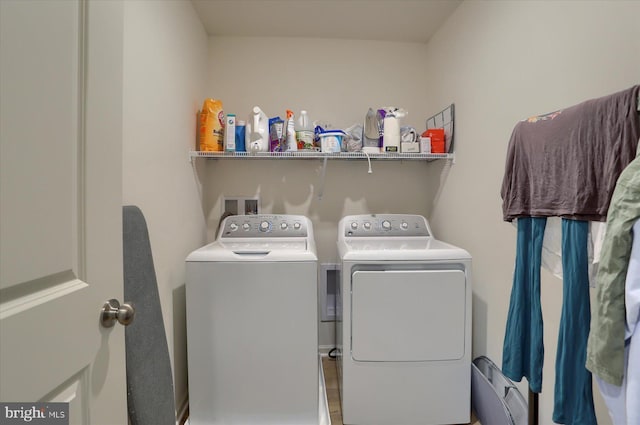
(240, 134)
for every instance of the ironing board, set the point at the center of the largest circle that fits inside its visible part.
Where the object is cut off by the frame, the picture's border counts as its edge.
(150, 396)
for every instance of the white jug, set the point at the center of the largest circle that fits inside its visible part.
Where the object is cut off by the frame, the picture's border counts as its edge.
(391, 129)
(257, 132)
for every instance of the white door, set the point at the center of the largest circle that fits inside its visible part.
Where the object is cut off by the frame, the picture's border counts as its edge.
(60, 205)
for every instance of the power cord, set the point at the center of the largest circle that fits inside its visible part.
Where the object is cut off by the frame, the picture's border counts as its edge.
(369, 161)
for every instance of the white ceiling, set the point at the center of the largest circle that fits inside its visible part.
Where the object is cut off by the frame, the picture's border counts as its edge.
(391, 20)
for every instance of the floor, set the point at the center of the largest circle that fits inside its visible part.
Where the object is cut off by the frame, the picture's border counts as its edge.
(333, 395)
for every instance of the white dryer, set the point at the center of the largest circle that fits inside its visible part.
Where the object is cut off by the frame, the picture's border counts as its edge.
(404, 323)
(252, 324)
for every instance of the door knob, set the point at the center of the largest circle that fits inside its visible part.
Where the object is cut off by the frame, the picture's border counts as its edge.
(112, 311)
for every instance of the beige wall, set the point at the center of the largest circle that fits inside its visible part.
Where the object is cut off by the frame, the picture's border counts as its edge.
(501, 62)
(164, 74)
(334, 80)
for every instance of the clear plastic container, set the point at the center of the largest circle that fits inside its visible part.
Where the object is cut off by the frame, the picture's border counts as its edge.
(304, 131)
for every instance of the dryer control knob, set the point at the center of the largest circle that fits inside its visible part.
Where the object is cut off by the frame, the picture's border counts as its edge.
(264, 226)
(354, 225)
(296, 225)
(367, 225)
(386, 225)
(246, 226)
(233, 227)
(284, 226)
(404, 225)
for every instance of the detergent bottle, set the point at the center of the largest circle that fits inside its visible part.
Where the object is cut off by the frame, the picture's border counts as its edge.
(292, 143)
(212, 126)
(240, 136)
(257, 132)
(304, 131)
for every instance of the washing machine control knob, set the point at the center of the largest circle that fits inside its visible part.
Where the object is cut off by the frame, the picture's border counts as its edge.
(296, 225)
(265, 226)
(233, 227)
(367, 225)
(354, 225)
(246, 226)
(284, 226)
(386, 225)
(404, 225)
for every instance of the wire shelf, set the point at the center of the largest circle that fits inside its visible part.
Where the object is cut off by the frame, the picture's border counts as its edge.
(320, 155)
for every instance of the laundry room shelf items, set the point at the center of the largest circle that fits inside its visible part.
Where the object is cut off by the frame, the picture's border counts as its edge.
(319, 155)
(443, 119)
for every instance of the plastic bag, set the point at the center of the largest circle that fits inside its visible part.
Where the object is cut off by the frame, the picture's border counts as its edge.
(353, 140)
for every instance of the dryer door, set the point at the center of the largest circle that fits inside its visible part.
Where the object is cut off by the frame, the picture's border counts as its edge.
(407, 315)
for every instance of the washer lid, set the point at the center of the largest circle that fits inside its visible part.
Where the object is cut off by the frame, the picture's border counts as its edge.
(255, 250)
(262, 246)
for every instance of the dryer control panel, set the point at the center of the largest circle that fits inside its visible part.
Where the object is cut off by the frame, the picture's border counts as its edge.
(265, 225)
(404, 225)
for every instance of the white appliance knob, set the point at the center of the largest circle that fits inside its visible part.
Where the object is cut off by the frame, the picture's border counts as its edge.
(264, 226)
(296, 225)
(233, 227)
(284, 226)
(404, 225)
(354, 225)
(367, 225)
(386, 225)
(246, 226)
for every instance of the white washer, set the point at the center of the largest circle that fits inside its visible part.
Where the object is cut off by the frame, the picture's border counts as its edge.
(252, 324)
(404, 323)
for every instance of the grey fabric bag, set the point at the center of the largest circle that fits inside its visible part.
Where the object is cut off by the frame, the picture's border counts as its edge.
(494, 397)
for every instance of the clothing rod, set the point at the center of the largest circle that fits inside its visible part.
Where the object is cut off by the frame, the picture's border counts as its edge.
(533, 408)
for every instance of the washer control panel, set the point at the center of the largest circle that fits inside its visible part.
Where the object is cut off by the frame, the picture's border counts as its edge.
(272, 226)
(385, 225)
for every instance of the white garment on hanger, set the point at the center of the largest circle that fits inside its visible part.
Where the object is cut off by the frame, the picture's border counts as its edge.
(552, 246)
(623, 402)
